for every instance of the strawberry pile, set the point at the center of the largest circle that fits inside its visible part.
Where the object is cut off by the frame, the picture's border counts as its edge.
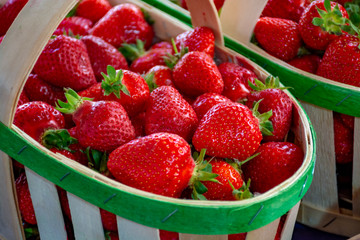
(159, 116)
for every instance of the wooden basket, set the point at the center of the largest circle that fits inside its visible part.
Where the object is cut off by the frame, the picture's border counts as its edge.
(321, 207)
(139, 214)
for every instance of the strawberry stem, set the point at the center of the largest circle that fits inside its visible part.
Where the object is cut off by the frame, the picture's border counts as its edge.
(171, 60)
(58, 138)
(133, 51)
(243, 192)
(112, 82)
(149, 79)
(74, 101)
(265, 124)
(271, 82)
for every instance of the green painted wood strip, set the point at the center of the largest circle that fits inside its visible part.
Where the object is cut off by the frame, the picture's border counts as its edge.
(308, 89)
(158, 212)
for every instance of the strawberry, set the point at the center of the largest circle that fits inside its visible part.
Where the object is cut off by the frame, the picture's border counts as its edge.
(199, 39)
(206, 101)
(286, 9)
(124, 23)
(344, 141)
(314, 36)
(108, 220)
(229, 137)
(34, 118)
(1, 38)
(341, 61)
(93, 9)
(238, 236)
(276, 162)
(168, 112)
(275, 100)
(102, 54)
(162, 44)
(64, 62)
(25, 203)
(196, 73)
(74, 25)
(8, 13)
(168, 154)
(101, 125)
(167, 235)
(112, 236)
(279, 37)
(229, 179)
(218, 4)
(123, 86)
(23, 99)
(159, 76)
(39, 90)
(348, 121)
(139, 124)
(308, 63)
(236, 80)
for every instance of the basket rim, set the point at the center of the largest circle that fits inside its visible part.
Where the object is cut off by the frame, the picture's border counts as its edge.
(307, 87)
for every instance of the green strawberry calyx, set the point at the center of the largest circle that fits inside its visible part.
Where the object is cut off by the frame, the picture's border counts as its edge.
(271, 82)
(74, 101)
(133, 51)
(266, 126)
(243, 192)
(58, 138)
(150, 81)
(97, 160)
(112, 82)
(202, 172)
(172, 59)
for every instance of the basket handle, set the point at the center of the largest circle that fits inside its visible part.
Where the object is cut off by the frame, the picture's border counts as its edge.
(22, 45)
(204, 13)
(238, 18)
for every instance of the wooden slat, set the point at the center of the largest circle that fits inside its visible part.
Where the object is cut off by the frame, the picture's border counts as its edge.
(10, 223)
(86, 219)
(238, 18)
(288, 229)
(265, 232)
(47, 208)
(323, 191)
(356, 170)
(129, 230)
(184, 236)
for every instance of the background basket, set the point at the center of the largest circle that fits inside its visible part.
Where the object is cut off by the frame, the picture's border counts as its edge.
(139, 214)
(325, 206)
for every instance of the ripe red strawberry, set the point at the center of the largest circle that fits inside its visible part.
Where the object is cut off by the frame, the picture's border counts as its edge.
(341, 61)
(196, 73)
(162, 44)
(159, 76)
(101, 125)
(314, 36)
(133, 164)
(112, 236)
(74, 25)
(308, 63)
(275, 100)
(286, 9)
(102, 54)
(344, 141)
(229, 179)
(279, 37)
(225, 132)
(168, 112)
(199, 39)
(348, 121)
(23, 99)
(236, 80)
(25, 203)
(1, 38)
(139, 124)
(38, 90)
(8, 13)
(276, 162)
(124, 23)
(108, 220)
(126, 87)
(64, 62)
(167, 235)
(93, 9)
(206, 101)
(218, 3)
(34, 118)
(342, 2)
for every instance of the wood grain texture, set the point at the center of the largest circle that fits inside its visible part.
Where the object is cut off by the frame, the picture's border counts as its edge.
(204, 13)
(287, 232)
(323, 192)
(265, 232)
(129, 230)
(86, 219)
(47, 207)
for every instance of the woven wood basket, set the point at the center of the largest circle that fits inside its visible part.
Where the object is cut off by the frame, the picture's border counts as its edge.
(139, 214)
(325, 206)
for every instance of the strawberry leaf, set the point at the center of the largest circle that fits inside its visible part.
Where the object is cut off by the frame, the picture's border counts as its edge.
(149, 79)
(73, 102)
(112, 82)
(58, 138)
(133, 51)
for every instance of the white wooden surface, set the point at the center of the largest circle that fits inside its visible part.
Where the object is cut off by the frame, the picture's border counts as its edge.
(47, 207)
(323, 192)
(356, 170)
(266, 232)
(86, 219)
(129, 230)
(204, 13)
(289, 225)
